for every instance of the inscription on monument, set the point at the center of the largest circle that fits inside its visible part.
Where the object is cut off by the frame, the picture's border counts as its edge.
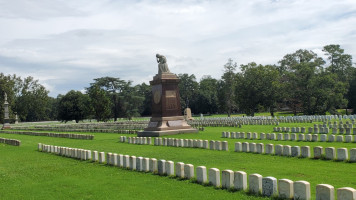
(171, 93)
(171, 100)
(153, 124)
(175, 123)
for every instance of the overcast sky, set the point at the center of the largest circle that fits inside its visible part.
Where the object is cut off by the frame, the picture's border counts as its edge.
(66, 44)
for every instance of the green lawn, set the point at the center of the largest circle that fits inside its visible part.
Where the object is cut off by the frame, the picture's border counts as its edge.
(28, 174)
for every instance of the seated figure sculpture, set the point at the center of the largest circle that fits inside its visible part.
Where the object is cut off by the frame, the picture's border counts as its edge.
(162, 64)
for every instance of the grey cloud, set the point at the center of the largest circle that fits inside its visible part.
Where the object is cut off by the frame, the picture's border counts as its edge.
(66, 44)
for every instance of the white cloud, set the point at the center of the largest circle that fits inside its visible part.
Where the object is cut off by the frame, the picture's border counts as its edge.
(66, 44)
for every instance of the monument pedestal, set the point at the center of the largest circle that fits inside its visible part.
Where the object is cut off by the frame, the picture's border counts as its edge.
(6, 124)
(167, 118)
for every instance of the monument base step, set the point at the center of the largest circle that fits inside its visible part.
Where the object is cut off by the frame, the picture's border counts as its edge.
(166, 132)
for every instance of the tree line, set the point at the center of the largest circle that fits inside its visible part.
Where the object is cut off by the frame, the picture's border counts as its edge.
(301, 82)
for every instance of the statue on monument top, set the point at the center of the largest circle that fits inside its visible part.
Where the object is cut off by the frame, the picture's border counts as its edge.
(162, 64)
(5, 96)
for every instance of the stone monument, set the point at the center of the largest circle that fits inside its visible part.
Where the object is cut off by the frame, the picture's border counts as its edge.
(6, 112)
(188, 114)
(16, 119)
(167, 118)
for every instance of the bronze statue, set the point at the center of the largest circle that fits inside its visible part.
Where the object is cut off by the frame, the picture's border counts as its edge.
(162, 64)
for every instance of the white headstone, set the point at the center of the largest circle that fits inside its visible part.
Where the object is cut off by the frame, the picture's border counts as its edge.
(342, 154)
(132, 162)
(188, 171)
(285, 188)
(269, 186)
(260, 148)
(240, 180)
(101, 157)
(255, 183)
(225, 146)
(145, 164)
(139, 161)
(170, 168)
(214, 177)
(346, 193)
(180, 169)
(295, 151)
(120, 160)
(305, 152)
(278, 149)
(318, 152)
(201, 174)
(245, 147)
(353, 155)
(270, 149)
(227, 179)
(325, 192)
(330, 153)
(161, 167)
(301, 190)
(287, 150)
(153, 165)
(238, 147)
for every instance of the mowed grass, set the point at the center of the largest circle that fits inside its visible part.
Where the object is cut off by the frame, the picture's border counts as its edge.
(28, 174)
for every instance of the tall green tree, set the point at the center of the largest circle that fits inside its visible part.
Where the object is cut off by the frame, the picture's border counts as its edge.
(258, 86)
(207, 97)
(188, 87)
(100, 103)
(298, 69)
(72, 106)
(145, 91)
(327, 94)
(339, 62)
(228, 85)
(131, 101)
(113, 86)
(311, 89)
(33, 103)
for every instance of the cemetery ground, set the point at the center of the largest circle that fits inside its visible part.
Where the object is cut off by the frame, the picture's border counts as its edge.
(26, 173)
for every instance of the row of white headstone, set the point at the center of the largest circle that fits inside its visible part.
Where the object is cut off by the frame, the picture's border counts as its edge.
(13, 142)
(60, 135)
(125, 131)
(288, 129)
(317, 130)
(175, 142)
(297, 151)
(227, 179)
(136, 140)
(192, 143)
(290, 137)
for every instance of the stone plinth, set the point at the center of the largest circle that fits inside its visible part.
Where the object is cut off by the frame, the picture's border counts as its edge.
(167, 118)
(6, 114)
